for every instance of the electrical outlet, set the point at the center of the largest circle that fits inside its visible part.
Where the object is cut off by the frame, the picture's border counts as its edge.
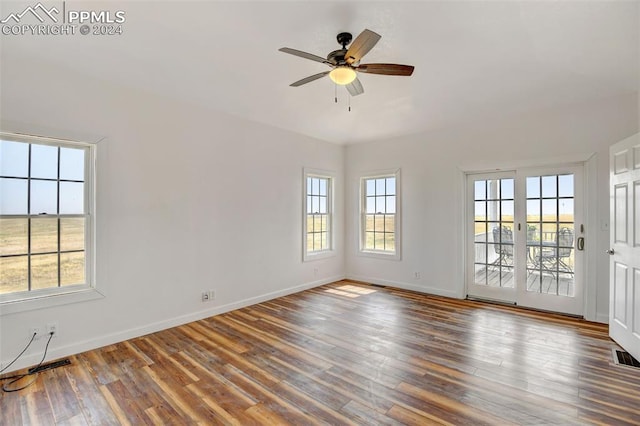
(416, 275)
(35, 330)
(205, 296)
(52, 327)
(212, 294)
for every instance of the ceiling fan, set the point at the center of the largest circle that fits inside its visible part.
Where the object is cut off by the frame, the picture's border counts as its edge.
(346, 62)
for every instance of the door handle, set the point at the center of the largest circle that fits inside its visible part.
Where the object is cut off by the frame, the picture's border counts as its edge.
(581, 243)
(610, 251)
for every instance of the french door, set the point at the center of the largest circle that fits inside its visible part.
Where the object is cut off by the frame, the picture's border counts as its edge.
(526, 238)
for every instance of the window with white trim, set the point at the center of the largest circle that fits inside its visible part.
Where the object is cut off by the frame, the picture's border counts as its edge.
(46, 229)
(379, 215)
(317, 214)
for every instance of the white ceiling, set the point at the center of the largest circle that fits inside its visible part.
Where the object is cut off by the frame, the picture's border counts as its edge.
(474, 60)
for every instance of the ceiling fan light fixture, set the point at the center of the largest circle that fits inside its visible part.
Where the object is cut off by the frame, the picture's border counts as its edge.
(342, 75)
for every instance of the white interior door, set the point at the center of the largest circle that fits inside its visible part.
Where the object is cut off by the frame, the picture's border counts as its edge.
(526, 238)
(624, 281)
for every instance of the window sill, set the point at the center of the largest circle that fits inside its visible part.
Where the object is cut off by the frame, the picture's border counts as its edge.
(49, 300)
(379, 255)
(309, 257)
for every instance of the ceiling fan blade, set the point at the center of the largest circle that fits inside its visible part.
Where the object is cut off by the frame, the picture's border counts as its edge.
(355, 88)
(305, 55)
(309, 79)
(386, 69)
(361, 45)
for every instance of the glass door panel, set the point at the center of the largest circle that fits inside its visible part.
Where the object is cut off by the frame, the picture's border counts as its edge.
(553, 218)
(493, 237)
(550, 234)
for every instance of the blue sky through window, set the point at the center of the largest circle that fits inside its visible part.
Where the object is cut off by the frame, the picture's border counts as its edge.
(14, 169)
(561, 186)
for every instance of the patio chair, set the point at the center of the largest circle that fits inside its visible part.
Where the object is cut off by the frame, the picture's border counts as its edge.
(503, 245)
(555, 257)
(565, 245)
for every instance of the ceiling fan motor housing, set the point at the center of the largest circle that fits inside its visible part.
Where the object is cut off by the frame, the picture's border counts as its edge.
(337, 57)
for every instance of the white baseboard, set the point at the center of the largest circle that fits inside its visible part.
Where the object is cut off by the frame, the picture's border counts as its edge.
(406, 286)
(602, 318)
(109, 339)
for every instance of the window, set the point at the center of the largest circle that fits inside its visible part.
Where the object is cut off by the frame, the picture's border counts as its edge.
(317, 214)
(45, 217)
(379, 218)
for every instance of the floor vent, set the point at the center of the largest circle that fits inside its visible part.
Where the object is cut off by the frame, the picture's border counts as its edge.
(49, 366)
(624, 358)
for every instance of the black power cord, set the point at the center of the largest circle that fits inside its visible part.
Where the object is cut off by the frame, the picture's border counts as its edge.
(34, 371)
(20, 354)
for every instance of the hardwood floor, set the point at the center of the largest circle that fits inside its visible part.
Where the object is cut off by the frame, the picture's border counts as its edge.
(345, 353)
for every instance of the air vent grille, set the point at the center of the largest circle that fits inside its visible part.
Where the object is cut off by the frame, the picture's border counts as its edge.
(624, 358)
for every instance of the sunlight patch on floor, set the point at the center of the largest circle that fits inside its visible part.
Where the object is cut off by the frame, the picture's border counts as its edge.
(350, 291)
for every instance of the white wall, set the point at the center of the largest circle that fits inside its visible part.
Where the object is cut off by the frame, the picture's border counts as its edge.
(432, 166)
(189, 199)
(192, 199)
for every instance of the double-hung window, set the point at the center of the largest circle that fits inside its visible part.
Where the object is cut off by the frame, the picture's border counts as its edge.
(318, 205)
(379, 215)
(46, 217)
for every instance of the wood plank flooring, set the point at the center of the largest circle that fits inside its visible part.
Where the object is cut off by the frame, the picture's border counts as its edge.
(345, 353)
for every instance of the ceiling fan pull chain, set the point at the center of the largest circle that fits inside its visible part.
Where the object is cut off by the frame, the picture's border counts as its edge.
(349, 102)
(335, 92)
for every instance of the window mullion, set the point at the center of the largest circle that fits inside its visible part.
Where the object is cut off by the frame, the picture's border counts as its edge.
(29, 219)
(313, 229)
(58, 220)
(384, 217)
